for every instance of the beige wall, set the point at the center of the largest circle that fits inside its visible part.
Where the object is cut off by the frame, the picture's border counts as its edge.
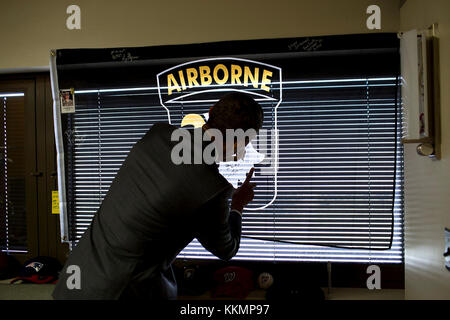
(427, 182)
(29, 29)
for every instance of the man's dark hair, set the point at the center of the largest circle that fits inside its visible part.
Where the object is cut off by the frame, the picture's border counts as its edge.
(236, 110)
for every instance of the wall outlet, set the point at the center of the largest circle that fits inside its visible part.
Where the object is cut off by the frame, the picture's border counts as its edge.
(447, 249)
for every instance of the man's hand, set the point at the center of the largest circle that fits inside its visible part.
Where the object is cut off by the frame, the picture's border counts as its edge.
(244, 194)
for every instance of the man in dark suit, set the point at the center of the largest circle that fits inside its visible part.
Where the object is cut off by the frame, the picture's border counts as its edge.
(154, 208)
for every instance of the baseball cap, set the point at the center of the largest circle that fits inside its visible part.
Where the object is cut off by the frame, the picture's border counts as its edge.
(233, 282)
(39, 270)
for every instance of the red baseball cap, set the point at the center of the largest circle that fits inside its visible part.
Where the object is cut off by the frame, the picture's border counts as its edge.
(233, 282)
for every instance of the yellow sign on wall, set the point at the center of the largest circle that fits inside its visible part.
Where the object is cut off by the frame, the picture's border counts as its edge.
(55, 202)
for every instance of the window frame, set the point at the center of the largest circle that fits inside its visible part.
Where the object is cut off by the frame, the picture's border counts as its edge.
(398, 269)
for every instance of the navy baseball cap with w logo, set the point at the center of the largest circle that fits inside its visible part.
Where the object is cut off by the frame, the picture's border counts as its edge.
(39, 270)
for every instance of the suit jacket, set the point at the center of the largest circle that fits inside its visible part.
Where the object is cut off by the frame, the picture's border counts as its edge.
(153, 209)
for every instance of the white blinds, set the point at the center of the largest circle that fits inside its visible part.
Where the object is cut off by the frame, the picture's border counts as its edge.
(13, 227)
(339, 160)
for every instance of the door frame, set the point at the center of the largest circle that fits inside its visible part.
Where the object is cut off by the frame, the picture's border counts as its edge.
(28, 87)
